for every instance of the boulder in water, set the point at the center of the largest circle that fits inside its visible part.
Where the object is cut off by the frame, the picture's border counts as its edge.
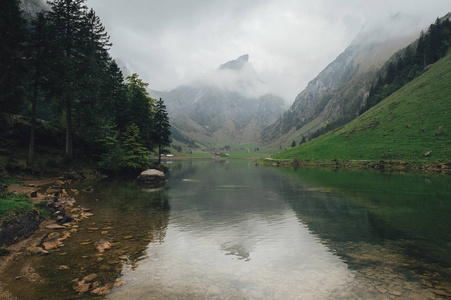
(152, 177)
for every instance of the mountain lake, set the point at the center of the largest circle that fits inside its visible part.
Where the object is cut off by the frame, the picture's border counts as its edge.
(231, 229)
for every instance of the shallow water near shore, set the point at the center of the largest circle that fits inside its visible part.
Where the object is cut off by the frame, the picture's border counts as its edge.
(230, 229)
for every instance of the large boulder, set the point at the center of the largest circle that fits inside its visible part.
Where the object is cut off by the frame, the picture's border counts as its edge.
(152, 177)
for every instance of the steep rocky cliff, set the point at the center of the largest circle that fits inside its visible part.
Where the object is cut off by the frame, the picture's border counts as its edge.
(336, 95)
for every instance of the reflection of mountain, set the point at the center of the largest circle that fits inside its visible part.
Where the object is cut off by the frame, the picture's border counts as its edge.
(229, 105)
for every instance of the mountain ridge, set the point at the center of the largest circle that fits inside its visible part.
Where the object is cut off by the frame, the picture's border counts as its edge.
(410, 128)
(336, 95)
(223, 108)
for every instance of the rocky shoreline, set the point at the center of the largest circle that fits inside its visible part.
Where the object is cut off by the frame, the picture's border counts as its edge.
(31, 234)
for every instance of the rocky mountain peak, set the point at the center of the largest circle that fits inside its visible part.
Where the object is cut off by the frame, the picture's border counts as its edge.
(236, 64)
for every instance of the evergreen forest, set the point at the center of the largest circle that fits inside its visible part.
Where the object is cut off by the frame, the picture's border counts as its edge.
(56, 74)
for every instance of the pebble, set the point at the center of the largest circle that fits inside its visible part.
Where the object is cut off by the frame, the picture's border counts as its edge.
(441, 293)
(395, 293)
(55, 226)
(90, 277)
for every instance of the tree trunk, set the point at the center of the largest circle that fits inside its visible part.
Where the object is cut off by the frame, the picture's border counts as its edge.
(69, 151)
(33, 119)
(159, 154)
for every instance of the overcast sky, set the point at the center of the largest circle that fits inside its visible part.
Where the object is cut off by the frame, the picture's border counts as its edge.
(172, 42)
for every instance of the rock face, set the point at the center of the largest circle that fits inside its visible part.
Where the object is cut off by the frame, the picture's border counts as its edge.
(231, 105)
(151, 176)
(236, 64)
(337, 94)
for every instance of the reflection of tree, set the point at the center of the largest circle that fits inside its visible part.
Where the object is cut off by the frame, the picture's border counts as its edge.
(371, 207)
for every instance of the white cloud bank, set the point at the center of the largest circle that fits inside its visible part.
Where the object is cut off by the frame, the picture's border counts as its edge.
(172, 42)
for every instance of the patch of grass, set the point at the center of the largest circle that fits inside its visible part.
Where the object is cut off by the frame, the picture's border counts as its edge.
(11, 181)
(412, 125)
(12, 204)
(4, 251)
(44, 213)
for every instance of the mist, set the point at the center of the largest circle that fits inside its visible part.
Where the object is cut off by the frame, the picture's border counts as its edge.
(178, 42)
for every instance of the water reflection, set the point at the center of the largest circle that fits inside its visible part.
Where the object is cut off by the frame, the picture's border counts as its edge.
(230, 235)
(232, 230)
(393, 229)
(238, 230)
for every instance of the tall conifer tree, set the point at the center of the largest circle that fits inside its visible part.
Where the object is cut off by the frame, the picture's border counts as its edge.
(162, 128)
(13, 37)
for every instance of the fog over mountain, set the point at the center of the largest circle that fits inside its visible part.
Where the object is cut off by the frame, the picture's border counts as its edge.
(237, 76)
(228, 106)
(169, 43)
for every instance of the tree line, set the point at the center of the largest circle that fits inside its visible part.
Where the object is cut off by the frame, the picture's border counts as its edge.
(411, 62)
(57, 68)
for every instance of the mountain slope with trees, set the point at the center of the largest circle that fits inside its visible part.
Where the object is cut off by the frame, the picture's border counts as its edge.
(348, 86)
(412, 127)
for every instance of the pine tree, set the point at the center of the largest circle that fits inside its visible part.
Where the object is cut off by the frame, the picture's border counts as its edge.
(37, 61)
(139, 109)
(13, 38)
(92, 111)
(162, 128)
(79, 68)
(67, 18)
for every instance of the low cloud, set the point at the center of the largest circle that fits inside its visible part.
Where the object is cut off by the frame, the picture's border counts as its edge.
(175, 42)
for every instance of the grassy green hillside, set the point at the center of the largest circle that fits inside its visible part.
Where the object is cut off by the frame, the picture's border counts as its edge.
(403, 128)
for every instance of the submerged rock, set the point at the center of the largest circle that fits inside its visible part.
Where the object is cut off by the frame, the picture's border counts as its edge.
(90, 277)
(102, 290)
(81, 287)
(55, 226)
(37, 251)
(51, 244)
(103, 245)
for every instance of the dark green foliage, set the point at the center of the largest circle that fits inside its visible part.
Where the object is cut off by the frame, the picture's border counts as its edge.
(412, 62)
(13, 40)
(61, 65)
(136, 108)
(79, 48)
(162, 135)
(293, 144)
(124, 152)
